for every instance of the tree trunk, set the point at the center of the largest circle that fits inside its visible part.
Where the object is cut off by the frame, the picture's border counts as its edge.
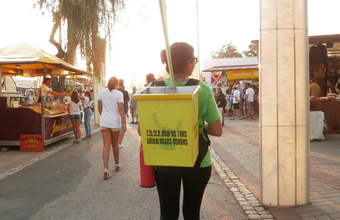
(99, 74)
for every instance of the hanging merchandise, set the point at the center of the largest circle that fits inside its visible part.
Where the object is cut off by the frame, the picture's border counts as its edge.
(32, 73)
(26, 73)
(317, 71)
(333, 67)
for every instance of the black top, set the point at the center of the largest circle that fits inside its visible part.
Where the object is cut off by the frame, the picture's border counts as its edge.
(125, 94)
(221, 98)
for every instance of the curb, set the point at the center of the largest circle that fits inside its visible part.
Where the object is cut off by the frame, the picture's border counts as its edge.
(41, 157)
(242, 194)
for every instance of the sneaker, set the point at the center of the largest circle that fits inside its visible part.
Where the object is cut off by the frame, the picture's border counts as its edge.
(136, 123)
(75, 141)
(132, 122)
(120, 146)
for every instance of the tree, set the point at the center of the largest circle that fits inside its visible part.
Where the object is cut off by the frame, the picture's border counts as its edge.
(88, 23)
(251, 52)
(227, 51)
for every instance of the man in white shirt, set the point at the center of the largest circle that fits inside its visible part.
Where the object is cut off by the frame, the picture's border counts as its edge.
(250, 101)
(45, 90)
(236, 101)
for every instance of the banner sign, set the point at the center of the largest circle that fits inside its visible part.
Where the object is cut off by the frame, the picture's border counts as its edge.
(31, 143)
(243, 74)
(57, 126)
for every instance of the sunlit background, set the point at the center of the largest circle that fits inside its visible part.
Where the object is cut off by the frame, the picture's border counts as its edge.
(138, 37)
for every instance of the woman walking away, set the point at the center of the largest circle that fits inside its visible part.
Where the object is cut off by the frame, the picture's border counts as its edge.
(73, 107)
(195, 179)
(88, 113)
(111, 109)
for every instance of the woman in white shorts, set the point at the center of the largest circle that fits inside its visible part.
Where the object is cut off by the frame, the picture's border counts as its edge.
(111, 109)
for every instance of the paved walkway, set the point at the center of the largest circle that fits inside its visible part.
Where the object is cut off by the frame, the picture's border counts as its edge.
(238, 149)
(236, 160)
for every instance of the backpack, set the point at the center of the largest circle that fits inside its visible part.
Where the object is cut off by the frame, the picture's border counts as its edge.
(203, 144)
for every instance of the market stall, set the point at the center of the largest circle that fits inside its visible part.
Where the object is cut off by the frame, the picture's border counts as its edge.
(325, 66)
(229, 75)
(49, 117)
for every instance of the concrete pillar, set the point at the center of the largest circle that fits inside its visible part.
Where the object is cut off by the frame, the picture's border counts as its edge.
(284, 104)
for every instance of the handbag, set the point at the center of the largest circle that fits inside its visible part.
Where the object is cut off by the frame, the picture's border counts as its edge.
(147, 173)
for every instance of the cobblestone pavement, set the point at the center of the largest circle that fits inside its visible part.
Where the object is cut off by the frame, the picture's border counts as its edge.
(236, 158)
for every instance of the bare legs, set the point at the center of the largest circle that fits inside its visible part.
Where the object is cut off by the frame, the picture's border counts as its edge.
(251, 112)
(234, 113)
(76, 129)
(121, 136)
(110, 138)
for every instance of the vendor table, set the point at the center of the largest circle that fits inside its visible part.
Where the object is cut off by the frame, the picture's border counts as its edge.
(332, 114)
(27, 120)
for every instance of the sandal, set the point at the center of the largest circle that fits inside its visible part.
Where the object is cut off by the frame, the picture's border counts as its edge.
(107, 174)
(117, 167)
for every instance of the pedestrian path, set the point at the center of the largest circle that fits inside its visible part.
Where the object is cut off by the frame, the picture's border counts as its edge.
(235, 156)
(13, 160)
(239, 150)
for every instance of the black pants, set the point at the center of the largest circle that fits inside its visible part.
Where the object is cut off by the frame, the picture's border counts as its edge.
(169, 187)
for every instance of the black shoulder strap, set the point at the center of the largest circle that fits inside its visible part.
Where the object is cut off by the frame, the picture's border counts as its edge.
(191, 82)
(158, 83)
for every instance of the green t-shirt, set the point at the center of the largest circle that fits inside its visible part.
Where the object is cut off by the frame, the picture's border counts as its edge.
(207, 111)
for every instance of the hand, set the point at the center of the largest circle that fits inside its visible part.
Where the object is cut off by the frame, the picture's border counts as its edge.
(124, 128)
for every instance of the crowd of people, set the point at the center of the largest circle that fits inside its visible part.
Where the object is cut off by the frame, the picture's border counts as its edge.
(232, 102)
(315, 90)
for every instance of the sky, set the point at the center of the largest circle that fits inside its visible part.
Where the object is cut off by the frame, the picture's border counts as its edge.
(138, 36)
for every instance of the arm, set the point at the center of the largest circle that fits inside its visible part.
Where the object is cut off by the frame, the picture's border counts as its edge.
(68, 108)
(100, 107)
(122, 114)
(246, 98)
(235, 96)
(55, 93)
(215, 128)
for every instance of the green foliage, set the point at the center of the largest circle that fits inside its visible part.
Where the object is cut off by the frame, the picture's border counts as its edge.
(227, 51)
(251, 52)
(87, 23)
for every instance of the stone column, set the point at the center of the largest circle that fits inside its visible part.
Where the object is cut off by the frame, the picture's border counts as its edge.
(284, 104)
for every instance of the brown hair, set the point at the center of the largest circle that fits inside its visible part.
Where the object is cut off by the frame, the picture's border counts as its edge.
(88, 93)
(46, 79)
(74, 96)
(219, 90)
(181, 52)
(112, 83)
(150, 78)
(121, 83)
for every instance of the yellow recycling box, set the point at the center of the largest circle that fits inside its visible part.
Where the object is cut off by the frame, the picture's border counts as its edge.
(168, 118)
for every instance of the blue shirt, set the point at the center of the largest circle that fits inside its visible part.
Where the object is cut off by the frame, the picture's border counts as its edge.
(133, 101)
